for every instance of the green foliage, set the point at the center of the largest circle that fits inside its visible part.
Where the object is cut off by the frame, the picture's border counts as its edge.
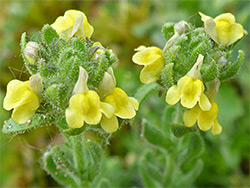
(38, 120)
(156, 137)
(49, 35)
(179, 129)
(68, 164)
(231, 69)
(144, 91)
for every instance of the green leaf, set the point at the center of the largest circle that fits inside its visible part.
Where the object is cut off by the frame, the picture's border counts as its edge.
(94, 159)
(167, 76)
(156, 137)
(234, 68)
(145, 90)
(167, 118)
(200, 49)
(211, 72)
(50, 165)
(170, 54)
(195, 148)
(179, 129)
(168, 30)
(104, 183)
(147, 175)
(74, 132)
(191, 175)
(38, 120)
(49, 35)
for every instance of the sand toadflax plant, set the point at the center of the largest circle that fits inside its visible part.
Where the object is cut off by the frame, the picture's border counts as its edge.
(73, 86)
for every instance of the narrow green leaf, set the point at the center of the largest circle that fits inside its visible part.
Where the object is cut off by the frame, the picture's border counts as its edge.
(196, 147)
(211, 72)
(94, 159)
(51, 168)
(104, 183)
(179, 129)
(145, 90)
(170, 54)
(74, 132)
(146, 176)
(234, 68)
(168, 30)
(38, 120)
(200, 49)
(191, 175)
(49, 35)
(156, 137)
(78, 153)
(167, 76)
(167, 118)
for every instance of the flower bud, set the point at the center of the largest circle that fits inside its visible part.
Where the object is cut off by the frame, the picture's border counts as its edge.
(81, 84)
(195, 70)
(108, 83)
(31, 52)
(36, 84)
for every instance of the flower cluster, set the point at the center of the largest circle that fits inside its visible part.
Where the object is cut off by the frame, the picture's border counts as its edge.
(101, 104)
(86, 105)
(190, 89)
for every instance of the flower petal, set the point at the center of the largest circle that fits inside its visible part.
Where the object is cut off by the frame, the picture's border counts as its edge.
(134, 102)
(236, 32)
(107, 109)
(190, 116)
(211, 29)
(226, 17)
(17, 94)
(73, 23)
(151, 73)
(119, 100)
(191, 93)
(107, 84)
(147, 56)
(204, 103)
(206, 118)
(204, 17)
(74, 114)
(23, 113)
(217, 129)
(92, 108)
(173, 95)
(81, 85)
(109, 125)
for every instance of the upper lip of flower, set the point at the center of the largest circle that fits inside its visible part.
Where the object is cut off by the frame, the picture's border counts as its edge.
(223, 29)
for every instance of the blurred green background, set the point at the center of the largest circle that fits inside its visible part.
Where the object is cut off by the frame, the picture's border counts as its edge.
(122, 26)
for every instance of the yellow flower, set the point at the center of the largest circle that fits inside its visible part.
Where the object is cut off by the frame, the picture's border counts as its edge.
(73, 23)
(31, 52)
(189, 89)
(85, 105)
(153, 61)
(205, 119)
(124, 108)
(223, 29)
(23, 98)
